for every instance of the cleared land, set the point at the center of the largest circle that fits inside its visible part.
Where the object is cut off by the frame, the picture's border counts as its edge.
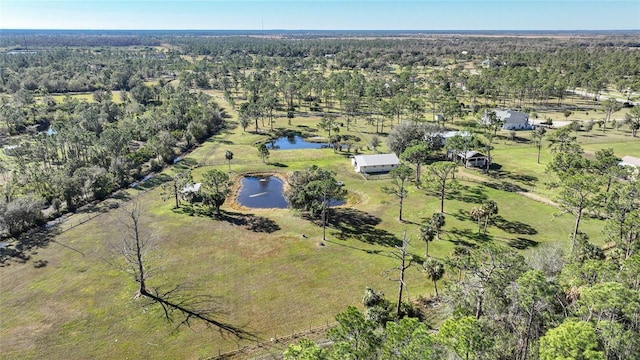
(69, 301)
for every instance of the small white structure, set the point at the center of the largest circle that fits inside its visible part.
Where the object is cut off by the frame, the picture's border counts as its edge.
(472, 159)
(632, 163)
(190, 191)
(375, 163)
(511, 119)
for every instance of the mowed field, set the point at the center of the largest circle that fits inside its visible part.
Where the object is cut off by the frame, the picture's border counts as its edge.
(70, 300)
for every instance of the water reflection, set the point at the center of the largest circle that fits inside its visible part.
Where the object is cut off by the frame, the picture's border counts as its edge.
(265, 192)
(262, 192)
(293, 143)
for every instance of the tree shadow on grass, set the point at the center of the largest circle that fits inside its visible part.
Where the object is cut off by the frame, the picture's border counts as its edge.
(461, 215)
(525, 179)
(513, 227)
(505, 186)
(468, 194)
(458, 241)
(21, 249)
(248, 221)
(251, 222)
(522, 243)
(464, 236)
(360, 225)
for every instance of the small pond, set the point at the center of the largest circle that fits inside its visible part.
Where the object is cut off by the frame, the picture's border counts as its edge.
(262, 192)
(265, 192)
(293, 143)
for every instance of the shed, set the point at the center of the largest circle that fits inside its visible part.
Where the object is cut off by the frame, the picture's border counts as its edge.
(375, 163)
(473, 159)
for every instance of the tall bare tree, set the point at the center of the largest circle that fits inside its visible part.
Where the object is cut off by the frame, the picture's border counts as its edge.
(406, 261)
(136, 246)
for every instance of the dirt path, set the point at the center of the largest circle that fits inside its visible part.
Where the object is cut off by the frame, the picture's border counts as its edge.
(538, 198)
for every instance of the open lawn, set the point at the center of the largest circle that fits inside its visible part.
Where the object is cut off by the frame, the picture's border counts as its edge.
(69, 299)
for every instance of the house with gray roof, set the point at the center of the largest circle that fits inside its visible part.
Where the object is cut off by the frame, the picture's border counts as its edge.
(511, 119)
(377, 163)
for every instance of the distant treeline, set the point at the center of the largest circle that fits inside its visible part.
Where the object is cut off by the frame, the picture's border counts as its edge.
(26, 38)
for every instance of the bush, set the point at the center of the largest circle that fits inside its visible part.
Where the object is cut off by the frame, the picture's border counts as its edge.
(21, 214)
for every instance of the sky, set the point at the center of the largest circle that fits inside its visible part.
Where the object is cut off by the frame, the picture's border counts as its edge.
(321, 15)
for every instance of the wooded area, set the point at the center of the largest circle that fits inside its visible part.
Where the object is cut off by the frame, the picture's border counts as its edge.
(82, 117)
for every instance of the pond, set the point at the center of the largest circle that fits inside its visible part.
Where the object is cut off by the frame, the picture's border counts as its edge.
(265, 192)
(262, 192)
(293, 143)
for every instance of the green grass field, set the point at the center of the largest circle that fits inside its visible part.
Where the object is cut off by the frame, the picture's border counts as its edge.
(86, 96)
(69, 300)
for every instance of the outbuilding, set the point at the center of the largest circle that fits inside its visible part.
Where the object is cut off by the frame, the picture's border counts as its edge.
(377, 163)
(472, 159)
(632, 163)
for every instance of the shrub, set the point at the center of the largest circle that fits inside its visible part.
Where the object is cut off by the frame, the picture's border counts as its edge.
(21, 214)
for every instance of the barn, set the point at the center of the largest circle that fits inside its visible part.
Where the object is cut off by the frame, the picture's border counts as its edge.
(375, 163)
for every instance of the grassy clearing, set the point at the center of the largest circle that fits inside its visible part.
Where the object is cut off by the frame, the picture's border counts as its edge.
(85, 96)
(264, 274)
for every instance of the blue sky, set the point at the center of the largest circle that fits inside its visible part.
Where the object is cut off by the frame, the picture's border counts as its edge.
(321, 15)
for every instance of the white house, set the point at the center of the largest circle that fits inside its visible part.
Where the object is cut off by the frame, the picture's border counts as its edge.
(511, 119)
(375, 163)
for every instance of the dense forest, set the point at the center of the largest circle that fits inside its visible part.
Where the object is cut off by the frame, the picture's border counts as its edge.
(82, 116)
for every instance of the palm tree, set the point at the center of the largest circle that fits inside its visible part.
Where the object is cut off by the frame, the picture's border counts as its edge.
(460, 259)
(478, 213)
(427, 234)
(490, 208)
(228, 155)
(434, 269)
(437, 222)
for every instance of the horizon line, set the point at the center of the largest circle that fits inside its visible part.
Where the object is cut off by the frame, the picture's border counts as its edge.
(276, 29)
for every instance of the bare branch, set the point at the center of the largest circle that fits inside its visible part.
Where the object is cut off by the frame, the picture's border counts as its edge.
(134, 248)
